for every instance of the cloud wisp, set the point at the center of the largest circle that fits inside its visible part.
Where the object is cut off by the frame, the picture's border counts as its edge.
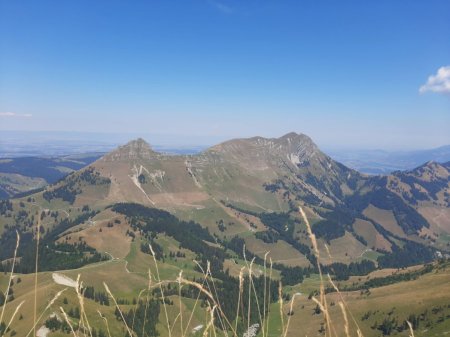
(221, 7)
(14, 114)
(439, 83)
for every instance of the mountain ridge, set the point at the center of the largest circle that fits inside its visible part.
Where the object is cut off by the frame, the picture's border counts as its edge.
(252, 187)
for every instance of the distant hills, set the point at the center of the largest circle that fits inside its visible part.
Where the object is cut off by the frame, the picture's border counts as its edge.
(385, 162)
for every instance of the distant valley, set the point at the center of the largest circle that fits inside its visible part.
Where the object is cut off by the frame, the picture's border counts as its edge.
(25, 174)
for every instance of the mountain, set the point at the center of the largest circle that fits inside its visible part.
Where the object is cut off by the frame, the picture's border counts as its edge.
(255, 186)
(240, 170)
(230, 207)
(385, 162)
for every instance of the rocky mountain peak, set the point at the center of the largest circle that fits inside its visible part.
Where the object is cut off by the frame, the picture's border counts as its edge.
(298, 147)
(135, 149)
(297, 139)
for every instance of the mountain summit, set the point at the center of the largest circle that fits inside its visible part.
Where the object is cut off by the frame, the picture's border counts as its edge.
(135, 149)
(261, 152)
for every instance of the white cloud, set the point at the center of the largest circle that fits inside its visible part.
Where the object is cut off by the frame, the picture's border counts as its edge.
(13, 114)
(439, 83)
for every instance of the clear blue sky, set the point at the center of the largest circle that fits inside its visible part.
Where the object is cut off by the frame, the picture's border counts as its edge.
(347, 73)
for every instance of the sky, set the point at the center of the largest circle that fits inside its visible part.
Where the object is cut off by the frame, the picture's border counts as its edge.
(350, 74)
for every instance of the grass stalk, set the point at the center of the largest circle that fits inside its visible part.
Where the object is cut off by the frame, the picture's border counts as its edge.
(14, 315)
(106, 322)
(344, 314)
(410, 329)
(118, 308)
(38, 235)
(44, 311)
(269, 291)
(161, 289)
(66, 318)
(317, 254)
(147, 299)
(291, 307)
(10, 276)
